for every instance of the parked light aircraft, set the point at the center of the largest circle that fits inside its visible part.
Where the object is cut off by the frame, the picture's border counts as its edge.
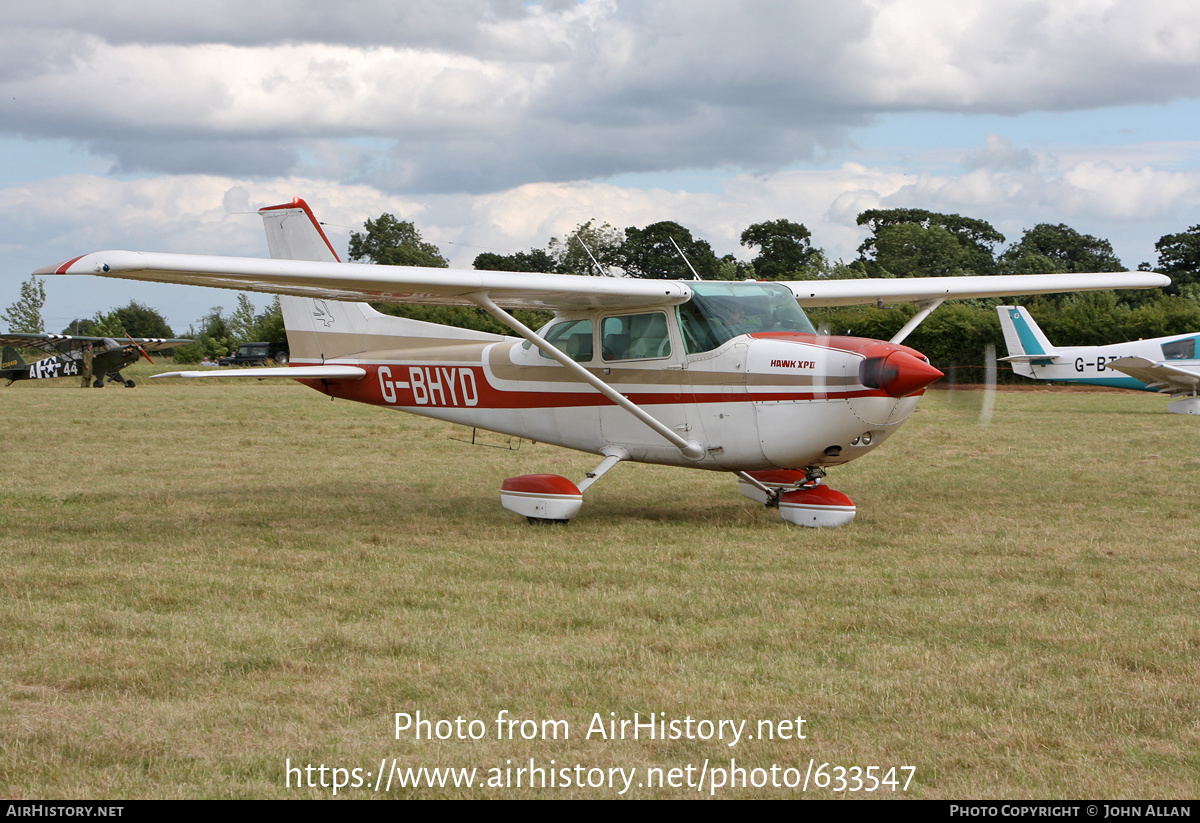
(721, 376)
(1163, 364)
(107, 361)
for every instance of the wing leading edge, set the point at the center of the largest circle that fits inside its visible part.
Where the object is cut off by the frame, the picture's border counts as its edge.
(565, 292)
(929, 289)
(375, 283)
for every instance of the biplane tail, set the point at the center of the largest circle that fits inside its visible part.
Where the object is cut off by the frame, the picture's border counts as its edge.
(320, 328)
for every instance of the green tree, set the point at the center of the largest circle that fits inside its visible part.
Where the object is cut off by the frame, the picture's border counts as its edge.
(649, 253)
(268, 325)
(912, 250)
(977, 237)
(535, 260)
(1059, 246)
(730, 268)
(80, 327)
(785, 250)
(242, 323)
(1179, 258)
(394, 242)
(142, 321)
(25, 316)
(133, 320)
(573, 254)
(213, 340)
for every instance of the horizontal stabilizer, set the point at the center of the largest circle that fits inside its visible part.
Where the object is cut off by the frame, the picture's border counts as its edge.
(1040, 359)
(296, 373)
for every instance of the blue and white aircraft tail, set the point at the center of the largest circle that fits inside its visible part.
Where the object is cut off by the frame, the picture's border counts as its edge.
(1163, 364)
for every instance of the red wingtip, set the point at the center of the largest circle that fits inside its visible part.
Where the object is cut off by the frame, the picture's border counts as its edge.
(62, 268)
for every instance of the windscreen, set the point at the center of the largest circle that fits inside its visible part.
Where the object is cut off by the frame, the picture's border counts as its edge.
(720, 311)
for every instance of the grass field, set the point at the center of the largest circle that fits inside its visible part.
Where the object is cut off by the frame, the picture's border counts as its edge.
(203, 584)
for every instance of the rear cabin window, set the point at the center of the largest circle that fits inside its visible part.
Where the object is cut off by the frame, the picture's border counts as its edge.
(635, 337)
(572, 337)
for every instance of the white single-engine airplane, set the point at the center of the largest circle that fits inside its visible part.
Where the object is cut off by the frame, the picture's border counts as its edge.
(711, 375)
(1163, 364)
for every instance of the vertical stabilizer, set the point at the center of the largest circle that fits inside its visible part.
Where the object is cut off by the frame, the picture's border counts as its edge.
(10, 360)
(293, 233)
(1024, 339)
(320, 329)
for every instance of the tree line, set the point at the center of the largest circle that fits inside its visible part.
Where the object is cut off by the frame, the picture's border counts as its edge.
(218, 333)
(900, 243)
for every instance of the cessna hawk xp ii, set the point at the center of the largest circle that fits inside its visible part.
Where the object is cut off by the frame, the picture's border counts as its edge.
(709, 375)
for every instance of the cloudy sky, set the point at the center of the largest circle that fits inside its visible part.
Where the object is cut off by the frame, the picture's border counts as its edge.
(496, 124)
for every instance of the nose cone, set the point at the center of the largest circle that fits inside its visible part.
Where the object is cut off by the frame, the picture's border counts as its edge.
(898, 373)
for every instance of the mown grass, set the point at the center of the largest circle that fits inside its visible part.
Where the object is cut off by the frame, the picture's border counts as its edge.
(201, 581)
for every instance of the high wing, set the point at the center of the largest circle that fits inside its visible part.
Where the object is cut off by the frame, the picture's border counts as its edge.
(930, 289)
(529, 290)
(375, 283)
(1162, 376)
(70, 342)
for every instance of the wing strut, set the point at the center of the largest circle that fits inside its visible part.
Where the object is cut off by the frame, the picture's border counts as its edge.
(690, 448)
(927, 308)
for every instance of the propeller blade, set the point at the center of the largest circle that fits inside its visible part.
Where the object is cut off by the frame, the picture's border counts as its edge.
(136, 346)
(989, 385)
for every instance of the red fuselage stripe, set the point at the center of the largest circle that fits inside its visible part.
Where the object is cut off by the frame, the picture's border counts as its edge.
(467, 387)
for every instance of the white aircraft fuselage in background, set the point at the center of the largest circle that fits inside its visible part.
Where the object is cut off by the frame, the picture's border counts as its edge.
(1162, 364)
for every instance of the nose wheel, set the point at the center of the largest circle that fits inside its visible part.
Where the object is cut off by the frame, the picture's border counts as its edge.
(802, 497)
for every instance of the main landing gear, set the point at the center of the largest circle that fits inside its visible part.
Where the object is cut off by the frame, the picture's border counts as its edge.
(801, 496)
(551, 498)
(1188, 405)
(112, 377)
